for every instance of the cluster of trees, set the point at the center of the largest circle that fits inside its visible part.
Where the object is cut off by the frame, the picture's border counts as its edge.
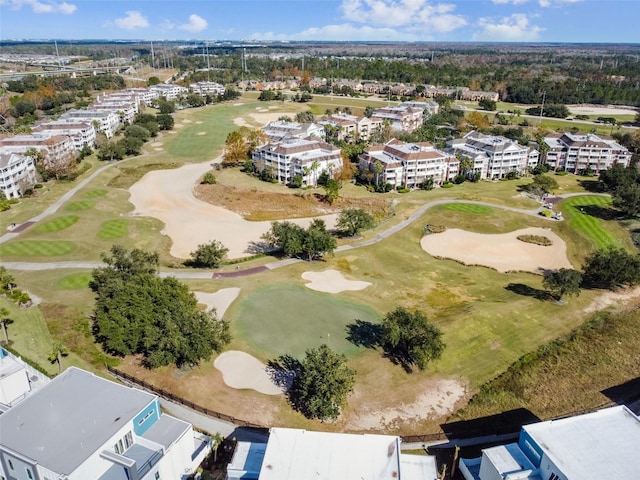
(270, 95)
(541, 185)
(137, 312)
(144, 127)
(550, 110)
(624, 186)
(9, 289)
(294, 241)
(209, 255)
(238, 146)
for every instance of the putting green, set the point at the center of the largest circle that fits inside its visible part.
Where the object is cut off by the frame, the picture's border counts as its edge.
(95, 193)
(37, 248)
(56, 224)
(579, 211)
(113, 229)
(469, 208)
(75, 281)
(81, 205)
(287, 319)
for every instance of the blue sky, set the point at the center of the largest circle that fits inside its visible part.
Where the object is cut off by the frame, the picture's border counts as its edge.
(607, 21)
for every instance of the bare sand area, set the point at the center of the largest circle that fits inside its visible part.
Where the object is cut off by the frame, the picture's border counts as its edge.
(438, 399)
(596, 110)
(241, 370)
(167, 195)
(332, 281)
(504, 252)
(615, 299)
(262, 118)
(220, 300)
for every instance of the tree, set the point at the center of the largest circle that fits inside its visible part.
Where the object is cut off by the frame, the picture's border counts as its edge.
(627, 199)
(378, 168)
(486, 104)
(209, 255)
(236, 150)
(58, 350)
(305, 117)
(322, 384)
(152, 81)
(165, 107)
(331, 190)
(165, 121)
(111, 151)
(409, 339)
(317, 240)
(352, 221)
(295, 241)
(209, 179)
(4, 318)
(611, 268)
(137, 131)
(478, 121)
(131, 145)
(565, 281)
(541, 184)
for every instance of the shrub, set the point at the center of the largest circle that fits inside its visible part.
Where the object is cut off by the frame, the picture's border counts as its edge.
(447, 185)
(562, 173)
(535, 239)
(209, 179)
(14, 201)
(38, 186)
(403, 190)
(429, 228)
(546, 213)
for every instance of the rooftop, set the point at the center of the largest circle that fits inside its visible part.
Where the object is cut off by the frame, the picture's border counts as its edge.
(70, 418)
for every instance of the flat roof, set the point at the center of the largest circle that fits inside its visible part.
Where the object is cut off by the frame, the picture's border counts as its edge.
(167, 430)
(602, 444)
(293, 454)
(248, 457)
(69, 419)
(509, 459)
(418, 467)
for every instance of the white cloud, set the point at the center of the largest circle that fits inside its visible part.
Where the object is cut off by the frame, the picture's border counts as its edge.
(408, 14)
(196, 24)
(132, 20)
(41, 7)
(510, 2)
(515, 28)
(345, 31)
(542, 3)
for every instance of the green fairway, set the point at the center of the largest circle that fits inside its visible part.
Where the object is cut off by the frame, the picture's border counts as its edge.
(37, 248)
(81, 205)
(285, 319)
(56, 224)
(75, 281)
(469, 208)
(581, 213)
(95, 193)
(113, 229)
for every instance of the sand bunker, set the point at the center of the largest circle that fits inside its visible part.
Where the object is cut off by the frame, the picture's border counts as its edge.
(438, 400)
(241, 370)
(504, 252)
(332, 281)
(262, 118)
(220, 300)
(167, 195)
(201, 133)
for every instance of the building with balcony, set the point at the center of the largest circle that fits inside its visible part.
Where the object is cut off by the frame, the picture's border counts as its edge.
(401, 118)
(207, 88)
(408, 164)
(350, 128)
(602, 444)
(281, 130)
(80, 426)
(105, 121)
(168, 91)
(17, 173)
(494, 156)
(53, 149)
(81, 132)
(308, 158)
(578, 152)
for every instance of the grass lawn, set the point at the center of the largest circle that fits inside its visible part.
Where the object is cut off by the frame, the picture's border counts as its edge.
(288, 319)
(80, 205)
(112, 229)
(469, 208)
(36, 248)
(56, 224)
(101, 192)
(586, 215)
(75, 281)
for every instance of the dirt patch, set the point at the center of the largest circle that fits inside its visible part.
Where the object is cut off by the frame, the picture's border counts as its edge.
(241, 371)
(504, 252)
(262, 118)
(438, 399)
(332, 281)
(595, 110)
(608, 299)
(257, 205)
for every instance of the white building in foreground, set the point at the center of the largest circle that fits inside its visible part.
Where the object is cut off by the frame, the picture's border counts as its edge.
(575, 152)
(293, 454)
(80, 427)
(599, 445)
(17, 173)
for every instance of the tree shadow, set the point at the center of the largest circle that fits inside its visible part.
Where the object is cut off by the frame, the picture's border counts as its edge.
(604, 213)
(364, 334)
(257, 248)
(283, 370)
(527, 291)
(592, 185)
(397, 357)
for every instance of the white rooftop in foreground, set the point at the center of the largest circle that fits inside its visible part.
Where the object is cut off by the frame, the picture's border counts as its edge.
(603, 444)
(294, 454)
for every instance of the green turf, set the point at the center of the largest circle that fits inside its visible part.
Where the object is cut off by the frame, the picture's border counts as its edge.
(56, 224)
(81, 205)
(75, 281)
(95, 193)
(113, 229)
(287, 319)
(37, 248)
(469, 208)
(580, 211)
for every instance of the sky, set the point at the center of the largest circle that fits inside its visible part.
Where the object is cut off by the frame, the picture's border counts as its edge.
(581, 21)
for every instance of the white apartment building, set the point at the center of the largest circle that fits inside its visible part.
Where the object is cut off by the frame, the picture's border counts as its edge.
(351, 127)
(429, 108)
(17, 171)
(575, 152)
(54, 149)
(80, 426)
(308, 158)
(81, 132)
(403, 118)
(281, 130)
(207, 88)
(409, 164)
(105, 121)
(602, 444)
(494, 156)
(168, 91)
(126, 111)
(145, 95)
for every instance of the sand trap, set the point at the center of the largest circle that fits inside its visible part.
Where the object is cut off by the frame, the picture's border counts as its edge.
(241, 370)
(504, 252)
(158, 149)
(201, 133)
(167, 195)
(262, 118)
(332, 281)
(199, 122)
(220, 300)
(438, 400)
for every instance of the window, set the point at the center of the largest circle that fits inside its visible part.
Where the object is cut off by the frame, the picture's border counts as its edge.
(144, 419)
(554, 477)
(10, 464)
(157, 475)
(128, 440)
(29, 474)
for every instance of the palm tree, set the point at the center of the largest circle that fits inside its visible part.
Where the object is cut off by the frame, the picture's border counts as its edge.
(314, 167)
(58, 350)
(4, 316)
(378, 169)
